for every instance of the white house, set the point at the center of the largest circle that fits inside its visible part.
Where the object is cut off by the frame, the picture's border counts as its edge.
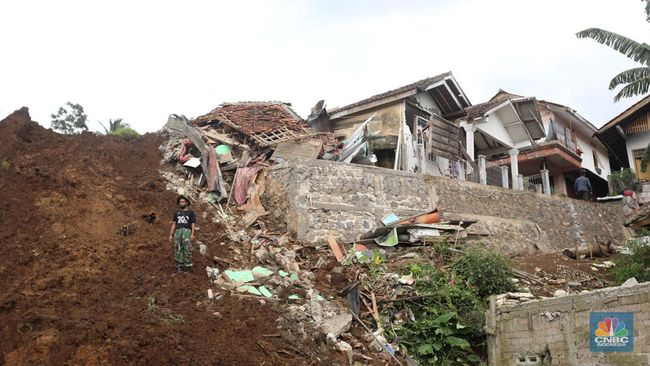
(540, 142)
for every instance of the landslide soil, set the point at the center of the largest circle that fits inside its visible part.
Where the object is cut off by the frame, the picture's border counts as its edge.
(74, 291)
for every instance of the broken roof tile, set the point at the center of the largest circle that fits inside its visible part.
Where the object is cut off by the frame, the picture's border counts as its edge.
(478, 110)
(255, 117)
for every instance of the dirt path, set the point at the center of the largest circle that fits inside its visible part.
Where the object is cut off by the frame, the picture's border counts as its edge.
(73, 291)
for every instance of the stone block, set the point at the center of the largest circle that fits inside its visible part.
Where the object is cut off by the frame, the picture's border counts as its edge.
(336, 324)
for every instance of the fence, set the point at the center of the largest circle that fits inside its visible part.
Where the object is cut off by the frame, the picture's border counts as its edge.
(534, 183)
(493, 175)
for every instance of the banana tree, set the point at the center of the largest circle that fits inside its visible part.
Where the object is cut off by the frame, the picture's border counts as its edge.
(635, 81)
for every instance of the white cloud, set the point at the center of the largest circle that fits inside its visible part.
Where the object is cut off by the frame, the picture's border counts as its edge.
(144, 60)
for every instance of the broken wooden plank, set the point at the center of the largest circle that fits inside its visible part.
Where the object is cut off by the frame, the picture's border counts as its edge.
(334, 246)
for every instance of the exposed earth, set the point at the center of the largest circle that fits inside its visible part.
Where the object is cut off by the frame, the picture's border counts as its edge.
(86, 280)
(76, 291)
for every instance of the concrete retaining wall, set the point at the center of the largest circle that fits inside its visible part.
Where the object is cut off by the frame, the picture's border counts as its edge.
(319, 197)
(524, 331)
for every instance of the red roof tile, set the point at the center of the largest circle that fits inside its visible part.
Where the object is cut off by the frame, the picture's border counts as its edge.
(255, 117)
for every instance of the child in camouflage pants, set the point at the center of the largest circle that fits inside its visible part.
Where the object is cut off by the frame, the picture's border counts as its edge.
(182, 234)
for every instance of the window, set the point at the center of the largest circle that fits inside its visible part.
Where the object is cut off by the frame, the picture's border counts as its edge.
(596, 163)
(564, 135)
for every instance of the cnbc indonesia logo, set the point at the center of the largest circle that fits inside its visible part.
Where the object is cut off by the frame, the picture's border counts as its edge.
(611, 332)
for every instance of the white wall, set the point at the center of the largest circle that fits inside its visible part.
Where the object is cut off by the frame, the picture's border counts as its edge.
(584, 143)
(636, 142)
(426, 101)
(495, 128)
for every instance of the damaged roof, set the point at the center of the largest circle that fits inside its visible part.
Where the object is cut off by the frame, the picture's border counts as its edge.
(255, 117)
(478, 110)
(447, 95)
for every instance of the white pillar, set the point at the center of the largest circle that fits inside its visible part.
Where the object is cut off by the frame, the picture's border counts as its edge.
(482, 169)
(546, 182)
(469, 139)
(520, 182)
(514, 168)
(504, 177)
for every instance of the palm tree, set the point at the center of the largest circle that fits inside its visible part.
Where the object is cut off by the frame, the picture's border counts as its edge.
(114, 125)
(636, 81)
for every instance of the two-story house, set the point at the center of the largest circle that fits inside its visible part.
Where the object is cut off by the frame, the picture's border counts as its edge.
(538, 141)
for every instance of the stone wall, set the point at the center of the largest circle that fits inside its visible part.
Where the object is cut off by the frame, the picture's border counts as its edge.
(316, 198)
(557, 332)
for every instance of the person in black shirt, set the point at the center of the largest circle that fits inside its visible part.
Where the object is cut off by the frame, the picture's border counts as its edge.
(182, 234)
(582, 186)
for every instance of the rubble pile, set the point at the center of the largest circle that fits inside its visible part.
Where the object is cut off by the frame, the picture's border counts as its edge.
(261, 265)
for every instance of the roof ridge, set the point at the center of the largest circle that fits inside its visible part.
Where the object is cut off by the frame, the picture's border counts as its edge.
(391, 92)
(631, 110)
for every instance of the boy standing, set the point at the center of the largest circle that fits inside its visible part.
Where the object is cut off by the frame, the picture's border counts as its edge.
(182, 234)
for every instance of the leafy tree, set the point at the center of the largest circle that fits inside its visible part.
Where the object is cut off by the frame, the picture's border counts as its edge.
(622, 180)
(636, 81)
(70, 119)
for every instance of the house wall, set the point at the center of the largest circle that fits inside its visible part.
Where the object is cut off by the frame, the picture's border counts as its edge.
(584, 142)
(493, 126)
(386, 122)
(525, 330)
(426, 101)
(559, 185)
(635, 142)
(316, 198)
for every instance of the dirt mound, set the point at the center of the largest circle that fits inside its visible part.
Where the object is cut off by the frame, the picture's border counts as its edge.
(76, 291)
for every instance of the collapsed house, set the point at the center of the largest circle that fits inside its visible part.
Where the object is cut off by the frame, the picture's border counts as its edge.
(534, 144)
(408, 128)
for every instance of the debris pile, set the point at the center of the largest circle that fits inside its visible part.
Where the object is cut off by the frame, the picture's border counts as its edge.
(421, 229)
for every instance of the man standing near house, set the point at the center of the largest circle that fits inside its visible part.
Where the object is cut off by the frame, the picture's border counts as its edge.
(582, 186)
(182, 234)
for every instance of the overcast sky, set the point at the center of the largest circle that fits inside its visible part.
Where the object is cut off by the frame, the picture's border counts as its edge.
(143, 60)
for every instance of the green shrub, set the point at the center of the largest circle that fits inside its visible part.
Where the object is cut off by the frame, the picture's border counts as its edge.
(125, 132)
(636, 265)
(622, 180)
(449, 319)
(440, 289)
(485, 270)
(438, 339)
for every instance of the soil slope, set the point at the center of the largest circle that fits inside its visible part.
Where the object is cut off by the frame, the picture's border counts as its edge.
(75, 291)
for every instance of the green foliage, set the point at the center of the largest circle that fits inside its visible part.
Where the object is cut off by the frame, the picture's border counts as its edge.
(636, 265)
(622, 180)
(437, 338)
(636, 81)
(70, 119)
(485, 270)
(119, 128)
(125, 132)
(449, 319)
(5, 164)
